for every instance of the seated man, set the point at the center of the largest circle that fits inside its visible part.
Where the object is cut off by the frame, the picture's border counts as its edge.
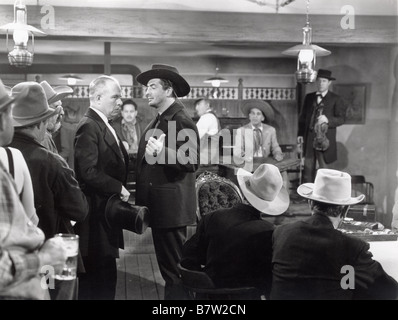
(234, 245)
(208, 126)
(257, 139)
(310, 257)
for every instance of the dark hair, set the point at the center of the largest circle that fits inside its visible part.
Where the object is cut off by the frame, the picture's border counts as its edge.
(165, 83)
(129, 101)
(200, 100)
(331, 210)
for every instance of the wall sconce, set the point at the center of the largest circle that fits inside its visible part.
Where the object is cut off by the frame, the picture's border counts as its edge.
(216, 80)
(21, 56)
(307, 53)
(71, 79)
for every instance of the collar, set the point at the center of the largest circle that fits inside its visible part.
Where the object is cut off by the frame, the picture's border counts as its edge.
(133, 123)
(323, 94)
(101, 115)
(260, 127)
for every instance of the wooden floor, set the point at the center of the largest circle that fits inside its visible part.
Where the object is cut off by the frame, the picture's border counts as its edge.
(138, 277)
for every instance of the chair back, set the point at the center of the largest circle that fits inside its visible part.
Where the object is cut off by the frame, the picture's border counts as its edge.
(214, 192)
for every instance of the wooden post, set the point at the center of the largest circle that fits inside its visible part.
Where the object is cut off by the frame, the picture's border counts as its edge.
(107, 58)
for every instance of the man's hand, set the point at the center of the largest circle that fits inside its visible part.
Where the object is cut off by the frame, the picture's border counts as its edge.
(278, 157)
(124, 194)
(155, 146)
(53, 253)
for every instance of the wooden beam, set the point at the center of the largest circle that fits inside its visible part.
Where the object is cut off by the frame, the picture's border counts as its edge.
(107, 58)
(136, 25)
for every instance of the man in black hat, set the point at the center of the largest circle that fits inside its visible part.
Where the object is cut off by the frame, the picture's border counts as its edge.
(321, 113)
(167, 158)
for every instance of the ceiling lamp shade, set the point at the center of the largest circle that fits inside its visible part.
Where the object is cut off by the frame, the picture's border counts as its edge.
(216, 80)
(20, 56)
(306, 53)
(71, 79)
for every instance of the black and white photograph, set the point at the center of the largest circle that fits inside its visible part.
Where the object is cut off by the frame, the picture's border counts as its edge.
(198, 157)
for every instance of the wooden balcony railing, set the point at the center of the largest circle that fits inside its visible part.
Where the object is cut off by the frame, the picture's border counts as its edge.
(231, 93)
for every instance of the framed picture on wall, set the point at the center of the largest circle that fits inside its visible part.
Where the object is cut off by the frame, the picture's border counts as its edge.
(354, 95)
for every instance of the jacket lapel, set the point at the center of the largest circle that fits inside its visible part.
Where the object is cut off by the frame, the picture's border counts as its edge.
(107, 134)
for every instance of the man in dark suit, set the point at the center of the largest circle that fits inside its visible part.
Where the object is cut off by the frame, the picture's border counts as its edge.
(101, 167)
(57, 195)
(322, 106)
(168, 156)
(312, 260)
(235, 245)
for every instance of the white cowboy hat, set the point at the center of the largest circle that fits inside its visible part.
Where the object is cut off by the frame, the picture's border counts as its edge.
(264, 189)
(330, 186)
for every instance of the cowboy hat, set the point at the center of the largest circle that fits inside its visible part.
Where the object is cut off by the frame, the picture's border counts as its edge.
(123, 215)
(33, 107)
(261, 105)
(330, 186)
(322, 73)
(264, 189)
(164, 71)
(56, 93)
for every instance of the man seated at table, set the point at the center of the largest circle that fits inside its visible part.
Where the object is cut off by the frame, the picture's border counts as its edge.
(314, 261)
(257, 139)
(234, 245)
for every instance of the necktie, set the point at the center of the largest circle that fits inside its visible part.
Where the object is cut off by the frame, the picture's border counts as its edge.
(318, 98)
(257, 140)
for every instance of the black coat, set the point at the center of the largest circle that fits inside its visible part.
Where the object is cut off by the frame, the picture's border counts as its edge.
(234, 245)
(334, 109)
(101, 170)
(168, 189)
(58, 198)
(308, 257)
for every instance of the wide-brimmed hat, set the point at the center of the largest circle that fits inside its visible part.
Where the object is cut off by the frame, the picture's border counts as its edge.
(322, 73)
(264, 189)
(164, 71)
(56, 93)
(33, 107)
(265, 108)
(123, 215)
(5, 98)
(330, 186)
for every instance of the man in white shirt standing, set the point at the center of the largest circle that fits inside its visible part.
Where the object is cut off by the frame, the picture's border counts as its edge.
(208, 126)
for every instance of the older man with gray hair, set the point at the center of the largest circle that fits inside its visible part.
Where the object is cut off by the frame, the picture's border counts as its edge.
(101, 164)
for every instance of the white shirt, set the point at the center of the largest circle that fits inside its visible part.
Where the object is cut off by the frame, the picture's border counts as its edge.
(104, 118)
(207, 123)
(323, 94)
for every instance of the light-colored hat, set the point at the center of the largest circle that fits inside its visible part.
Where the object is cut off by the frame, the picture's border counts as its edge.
(164, 71)
(261, 105)
(264, 189)
(31, 108)
(330, 186)
(56, 93)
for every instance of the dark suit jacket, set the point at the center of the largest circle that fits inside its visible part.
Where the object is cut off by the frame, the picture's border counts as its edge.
(58, 198)
(334, 109)
(168, 189)
(234, 245)
(101, 169)
(307, 260)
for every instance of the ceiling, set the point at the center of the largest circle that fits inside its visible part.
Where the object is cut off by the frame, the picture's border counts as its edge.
(77, 47)
(361, 7)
